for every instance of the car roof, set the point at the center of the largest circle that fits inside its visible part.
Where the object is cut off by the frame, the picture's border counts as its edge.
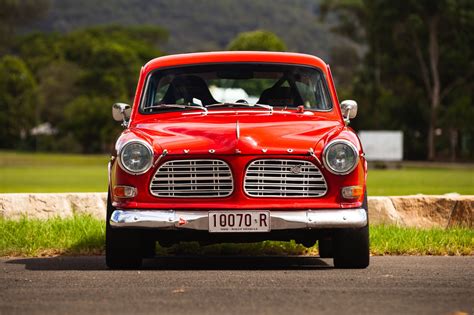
(234, 56)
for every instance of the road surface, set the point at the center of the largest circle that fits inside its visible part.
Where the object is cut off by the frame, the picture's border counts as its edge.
(238, 285)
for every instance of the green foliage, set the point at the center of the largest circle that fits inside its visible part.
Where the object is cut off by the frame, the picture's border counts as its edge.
(80, 75)
(257, 40)
(57, 86)
(88, 120)
(18, 103)
(345, 64)
(85, 235)
(395, 84)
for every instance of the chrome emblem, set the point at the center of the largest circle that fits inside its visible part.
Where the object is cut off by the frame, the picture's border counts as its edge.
(212, 151)
(264, 150)
(237, 151)
(289, 150)
(296, 169)
(186, 151)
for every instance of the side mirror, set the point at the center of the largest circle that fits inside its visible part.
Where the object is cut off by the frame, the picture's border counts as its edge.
(349, 110)
(121, 112)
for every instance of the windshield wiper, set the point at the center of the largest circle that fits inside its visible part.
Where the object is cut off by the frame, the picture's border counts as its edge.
(270, 108)
(182, 106)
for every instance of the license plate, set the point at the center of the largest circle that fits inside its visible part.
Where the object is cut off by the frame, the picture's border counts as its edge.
(239, 221)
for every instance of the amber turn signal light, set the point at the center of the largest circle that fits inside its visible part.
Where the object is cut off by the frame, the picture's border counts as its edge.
(125, 191)
(352, 192)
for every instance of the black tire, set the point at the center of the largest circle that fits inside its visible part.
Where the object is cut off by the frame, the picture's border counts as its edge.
(325, 248)
(148, 247)
(351, 246)
(123, 248)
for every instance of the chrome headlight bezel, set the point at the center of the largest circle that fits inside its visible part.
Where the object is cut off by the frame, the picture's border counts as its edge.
(326, 152)
(149, 163)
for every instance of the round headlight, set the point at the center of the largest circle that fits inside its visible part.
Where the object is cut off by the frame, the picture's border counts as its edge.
(136, 157)
(340, 157)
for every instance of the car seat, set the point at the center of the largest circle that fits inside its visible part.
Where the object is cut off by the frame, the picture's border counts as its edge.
(187, 88)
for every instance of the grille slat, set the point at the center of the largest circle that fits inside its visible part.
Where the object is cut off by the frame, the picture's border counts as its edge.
(161, 179)
(192, 178)
(194, 185)
(274, 185)
(279, 178)
(284, 178)
(196, 172)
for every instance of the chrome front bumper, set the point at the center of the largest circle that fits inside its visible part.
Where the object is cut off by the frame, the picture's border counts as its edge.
(199, 220)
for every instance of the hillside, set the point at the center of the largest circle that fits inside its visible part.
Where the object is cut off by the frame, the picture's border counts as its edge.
(201, 25)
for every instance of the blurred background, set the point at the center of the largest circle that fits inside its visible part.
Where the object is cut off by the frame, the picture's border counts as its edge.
(63, 63)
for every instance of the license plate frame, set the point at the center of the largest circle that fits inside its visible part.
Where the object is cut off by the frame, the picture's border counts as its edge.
(239, 221)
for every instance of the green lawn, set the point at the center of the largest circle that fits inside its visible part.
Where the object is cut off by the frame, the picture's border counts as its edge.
(83, 235)
(432, 181)
(22, 172)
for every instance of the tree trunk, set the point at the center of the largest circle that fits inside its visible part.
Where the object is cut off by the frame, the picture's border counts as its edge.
(453, 141)
(433, 51)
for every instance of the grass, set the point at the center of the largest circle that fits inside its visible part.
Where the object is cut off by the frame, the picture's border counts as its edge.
(430, 181)
(38, 172)
(393, 240)
(84, 235)
(33, 237)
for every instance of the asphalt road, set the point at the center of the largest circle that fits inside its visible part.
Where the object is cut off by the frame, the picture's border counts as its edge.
(238, 285)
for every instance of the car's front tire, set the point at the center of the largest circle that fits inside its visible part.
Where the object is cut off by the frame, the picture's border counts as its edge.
(325, 248)
(123, 248)
(351, 246)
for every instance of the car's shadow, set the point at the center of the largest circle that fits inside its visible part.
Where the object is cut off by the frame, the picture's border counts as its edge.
(180, 263)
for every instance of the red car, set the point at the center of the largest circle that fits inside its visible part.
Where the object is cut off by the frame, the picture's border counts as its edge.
(237, 147)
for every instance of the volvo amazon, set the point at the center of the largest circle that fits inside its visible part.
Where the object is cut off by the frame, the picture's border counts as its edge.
(237, 147)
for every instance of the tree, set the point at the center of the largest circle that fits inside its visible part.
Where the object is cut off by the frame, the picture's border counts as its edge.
(82, 73)
(57, 86)
(18, 101)
(18, 13)
(418, 51)
(434, 31)
(88, 120)
(257, 40)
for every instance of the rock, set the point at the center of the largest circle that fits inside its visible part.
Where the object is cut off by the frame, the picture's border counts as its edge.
(43, 206)
(13, 205)
(88, 203)
(462, 213)
(39, 206)
(425, 211)
(382, 211)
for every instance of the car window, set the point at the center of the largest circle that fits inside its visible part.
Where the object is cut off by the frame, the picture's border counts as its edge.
(286, 86)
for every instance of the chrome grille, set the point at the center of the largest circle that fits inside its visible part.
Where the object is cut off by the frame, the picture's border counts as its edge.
(284, 178)
(192, 178)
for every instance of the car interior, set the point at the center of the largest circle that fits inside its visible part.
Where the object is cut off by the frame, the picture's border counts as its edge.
(186, 88)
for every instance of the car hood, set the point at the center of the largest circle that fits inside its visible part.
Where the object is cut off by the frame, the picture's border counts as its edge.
(237, 132)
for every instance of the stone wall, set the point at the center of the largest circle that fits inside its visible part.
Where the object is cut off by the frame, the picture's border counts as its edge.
(423, 211)
(43, 206)
(417, 211)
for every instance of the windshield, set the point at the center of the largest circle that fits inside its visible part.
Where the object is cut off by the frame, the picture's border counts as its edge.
(238, 84)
